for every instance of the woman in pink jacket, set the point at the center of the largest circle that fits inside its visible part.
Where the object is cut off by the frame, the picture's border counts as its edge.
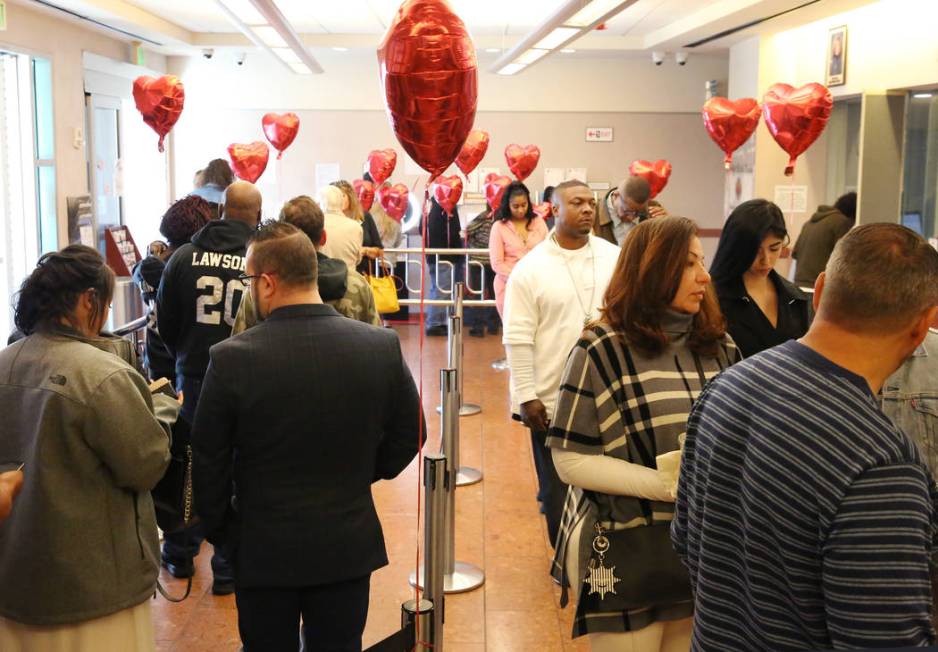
(517, 230)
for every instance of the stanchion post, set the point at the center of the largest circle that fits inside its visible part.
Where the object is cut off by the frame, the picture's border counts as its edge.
(422, 614)
(456, 353)
(431, 577)
(459, 576)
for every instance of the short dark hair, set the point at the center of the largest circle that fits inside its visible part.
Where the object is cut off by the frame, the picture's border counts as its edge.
(305, 214)
(218, 172)
(183, 219)
(50, 293)
(514, 189)
(572, 183)
(282, 249)
(742, 235)
(879, 278)
(847, 204)
(637, 189)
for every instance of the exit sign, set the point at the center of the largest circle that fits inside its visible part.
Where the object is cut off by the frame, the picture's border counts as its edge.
(3, 15)
(599, 134)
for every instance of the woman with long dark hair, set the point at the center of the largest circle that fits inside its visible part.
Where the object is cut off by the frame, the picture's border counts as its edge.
(516, 231)
(627, 390)
(762, 309)
(79, 554)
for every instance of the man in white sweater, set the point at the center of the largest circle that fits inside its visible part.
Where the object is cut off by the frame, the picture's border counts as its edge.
(552, 293)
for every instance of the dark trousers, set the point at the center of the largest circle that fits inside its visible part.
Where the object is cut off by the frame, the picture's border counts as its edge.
(180, 547)
(551, 490)
(333, 617)
(483, 316)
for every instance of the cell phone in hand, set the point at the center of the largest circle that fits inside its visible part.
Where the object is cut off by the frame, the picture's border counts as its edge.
(6, 467)
(162, 386)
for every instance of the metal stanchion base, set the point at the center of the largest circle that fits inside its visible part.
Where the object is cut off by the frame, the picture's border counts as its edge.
(465, 578)
(469, 409)
(500, 365)
(467, 475)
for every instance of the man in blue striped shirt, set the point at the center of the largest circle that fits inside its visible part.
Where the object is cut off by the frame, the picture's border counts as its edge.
(806, 518)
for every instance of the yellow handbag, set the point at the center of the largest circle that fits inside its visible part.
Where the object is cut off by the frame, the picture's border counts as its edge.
(385, 290)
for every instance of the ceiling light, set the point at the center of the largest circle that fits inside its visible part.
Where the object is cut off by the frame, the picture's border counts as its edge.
(567, 51)
(287, 55)
(556, 37)
(530, 56)
(270, 36)
(244, 11)
(492, 50)
(338, 49)
(592, 12)
(922, 96)
(301, 68)
(511, 69)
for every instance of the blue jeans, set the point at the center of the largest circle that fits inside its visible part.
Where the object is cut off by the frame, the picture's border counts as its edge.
(438, 315)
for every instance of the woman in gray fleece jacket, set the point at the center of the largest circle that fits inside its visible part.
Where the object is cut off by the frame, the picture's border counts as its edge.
(79, 555)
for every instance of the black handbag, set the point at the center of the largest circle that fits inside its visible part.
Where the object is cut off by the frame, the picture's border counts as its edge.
(634, 568)
(172, 495)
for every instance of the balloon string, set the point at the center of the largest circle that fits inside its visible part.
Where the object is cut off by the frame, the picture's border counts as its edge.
(424, 278)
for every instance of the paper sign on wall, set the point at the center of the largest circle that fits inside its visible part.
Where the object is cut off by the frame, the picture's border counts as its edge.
(326, 173)
(554, 176)
(792, 199)
(575, 174)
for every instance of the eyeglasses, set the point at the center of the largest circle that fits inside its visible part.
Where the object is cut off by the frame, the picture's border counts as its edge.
(246, 278)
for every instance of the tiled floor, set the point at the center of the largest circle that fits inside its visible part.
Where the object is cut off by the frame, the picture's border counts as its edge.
(498, 527)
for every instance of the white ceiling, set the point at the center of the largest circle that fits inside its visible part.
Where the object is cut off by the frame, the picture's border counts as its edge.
(482, 17)
(185, 26)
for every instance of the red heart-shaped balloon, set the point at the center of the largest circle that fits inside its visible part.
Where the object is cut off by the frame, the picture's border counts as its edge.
(447, 191)
(522, 160)
(428, 70)
(160, 102)
(366, 193)
(730, 123)
(381, 164)
(280, 130)
(394, 200)
(656, 174)
(543, 210)
(494, 187)
(473, 151)
(249, 161)
(796, 117)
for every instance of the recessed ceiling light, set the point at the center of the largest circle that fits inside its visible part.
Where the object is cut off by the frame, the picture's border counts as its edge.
(530, 56)
(492, 50)
(922, 96)
(340, 49)
(511, 69)
(567, 51)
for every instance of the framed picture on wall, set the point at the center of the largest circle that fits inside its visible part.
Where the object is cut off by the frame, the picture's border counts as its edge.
(837, 56)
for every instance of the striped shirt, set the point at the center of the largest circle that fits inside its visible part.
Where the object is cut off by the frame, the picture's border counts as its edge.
(805, 517)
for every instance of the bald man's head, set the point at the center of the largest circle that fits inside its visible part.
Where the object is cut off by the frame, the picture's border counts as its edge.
(243, 203)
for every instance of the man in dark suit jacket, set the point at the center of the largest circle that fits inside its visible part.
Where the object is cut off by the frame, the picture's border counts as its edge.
(298, 417)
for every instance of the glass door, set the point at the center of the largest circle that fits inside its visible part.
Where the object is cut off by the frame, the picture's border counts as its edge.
(920, 176)
(104, 147)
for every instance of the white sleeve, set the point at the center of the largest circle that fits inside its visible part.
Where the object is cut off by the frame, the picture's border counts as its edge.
(609, 475)
(520, 326)
(521, 363)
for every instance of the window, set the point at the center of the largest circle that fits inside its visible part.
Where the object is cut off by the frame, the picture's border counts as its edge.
(920, 174)
(27, 174)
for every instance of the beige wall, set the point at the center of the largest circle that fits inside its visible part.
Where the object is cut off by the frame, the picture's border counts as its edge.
(62, 41)
(890, 45)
